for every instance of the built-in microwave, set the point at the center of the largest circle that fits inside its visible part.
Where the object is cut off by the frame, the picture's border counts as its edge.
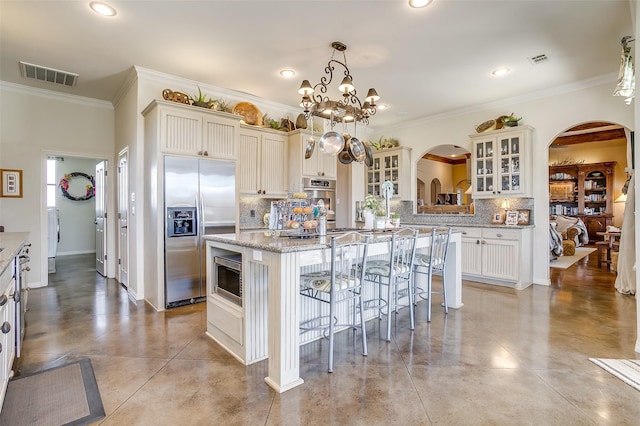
(227, 281)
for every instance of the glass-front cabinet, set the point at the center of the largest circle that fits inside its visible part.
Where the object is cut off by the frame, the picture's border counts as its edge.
(390, 164)
(499, 162)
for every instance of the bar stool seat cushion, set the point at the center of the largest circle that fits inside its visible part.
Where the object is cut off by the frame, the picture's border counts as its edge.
(382, 267)
(321, 281)
(425, 260)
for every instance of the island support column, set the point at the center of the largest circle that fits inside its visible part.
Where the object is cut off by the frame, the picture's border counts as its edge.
(284, 320)
(454, 271)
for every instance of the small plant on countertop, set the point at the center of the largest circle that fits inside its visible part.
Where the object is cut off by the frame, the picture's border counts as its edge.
(371, 203)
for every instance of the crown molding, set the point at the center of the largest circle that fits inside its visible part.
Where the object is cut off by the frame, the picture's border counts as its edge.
(157, 76)
(507, 102)
(49, 94)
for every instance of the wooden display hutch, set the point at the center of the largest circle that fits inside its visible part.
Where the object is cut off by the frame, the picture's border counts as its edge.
(585, 191)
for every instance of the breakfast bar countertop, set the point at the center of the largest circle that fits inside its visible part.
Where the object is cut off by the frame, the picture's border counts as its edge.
(291, 241)
(11, 243)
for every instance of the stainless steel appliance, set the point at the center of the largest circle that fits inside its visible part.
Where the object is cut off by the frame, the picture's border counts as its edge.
(228, 277)
(20, 295)
(325, 190)
(199, 199)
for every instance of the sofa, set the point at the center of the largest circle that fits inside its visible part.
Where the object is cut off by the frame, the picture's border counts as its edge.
(565, 234)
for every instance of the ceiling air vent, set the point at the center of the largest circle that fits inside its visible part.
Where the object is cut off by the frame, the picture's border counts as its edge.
(538, 59)
(49, 75)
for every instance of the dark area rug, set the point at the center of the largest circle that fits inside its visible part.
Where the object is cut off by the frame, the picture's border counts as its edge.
(64, 395)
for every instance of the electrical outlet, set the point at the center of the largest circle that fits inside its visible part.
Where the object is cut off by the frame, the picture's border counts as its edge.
(252, 213)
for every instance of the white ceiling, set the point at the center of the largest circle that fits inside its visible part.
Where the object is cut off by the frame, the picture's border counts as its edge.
(421, 61)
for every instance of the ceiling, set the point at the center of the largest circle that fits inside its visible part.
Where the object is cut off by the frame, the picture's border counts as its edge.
(422, 62)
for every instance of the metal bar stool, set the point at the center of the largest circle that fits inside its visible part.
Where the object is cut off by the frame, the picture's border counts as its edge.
(392, 273)
(342, 283)
(432, 263)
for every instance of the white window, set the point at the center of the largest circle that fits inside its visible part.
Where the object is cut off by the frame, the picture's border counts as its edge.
(51, 183)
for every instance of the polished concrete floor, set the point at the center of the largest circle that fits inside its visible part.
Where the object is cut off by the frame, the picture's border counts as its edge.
(507, 357)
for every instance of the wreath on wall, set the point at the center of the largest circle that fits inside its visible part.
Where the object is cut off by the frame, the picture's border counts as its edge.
(90, 188)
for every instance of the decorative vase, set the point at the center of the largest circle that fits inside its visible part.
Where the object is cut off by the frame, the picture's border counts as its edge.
(369, 218)
(381, 222)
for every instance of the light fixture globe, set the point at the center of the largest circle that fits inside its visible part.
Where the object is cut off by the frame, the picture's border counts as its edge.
(331, 143)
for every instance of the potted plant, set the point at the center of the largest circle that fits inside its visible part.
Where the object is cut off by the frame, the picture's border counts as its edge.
(381, 219)
(395, 220)
(371, 205)
(201, 100)
(511, 120)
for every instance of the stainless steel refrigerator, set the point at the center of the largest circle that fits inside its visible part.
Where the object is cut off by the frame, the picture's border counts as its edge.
(199, 199)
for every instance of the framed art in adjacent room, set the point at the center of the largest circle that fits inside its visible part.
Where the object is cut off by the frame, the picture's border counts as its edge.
(511, 217)
(10, 183)
(524, 217)
(497, 218)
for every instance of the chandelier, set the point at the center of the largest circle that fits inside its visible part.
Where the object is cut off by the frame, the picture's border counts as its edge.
(316, 101)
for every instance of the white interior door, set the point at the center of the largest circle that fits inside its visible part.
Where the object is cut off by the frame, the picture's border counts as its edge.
(101, 215)
(123, 215)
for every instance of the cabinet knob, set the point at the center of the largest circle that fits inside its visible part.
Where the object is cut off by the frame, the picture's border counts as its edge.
(499, 235)
(199, 152)
(206, 153)
(484, 242)
(477, 241)
(464, 232)
(3, 299)
(6, 327)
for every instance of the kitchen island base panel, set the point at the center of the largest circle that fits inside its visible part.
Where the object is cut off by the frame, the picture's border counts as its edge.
(273, 266)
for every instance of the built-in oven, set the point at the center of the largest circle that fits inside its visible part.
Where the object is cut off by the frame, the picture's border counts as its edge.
(325, 190)
(227, 280)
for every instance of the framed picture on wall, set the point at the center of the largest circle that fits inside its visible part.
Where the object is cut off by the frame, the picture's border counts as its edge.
(511, 217)
(498, 218)
(524, 216)
(10, 183)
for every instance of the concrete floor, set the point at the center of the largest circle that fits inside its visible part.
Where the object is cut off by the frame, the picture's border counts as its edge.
(506, 357)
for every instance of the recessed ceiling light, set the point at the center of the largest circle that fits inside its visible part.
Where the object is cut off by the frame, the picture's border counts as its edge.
(419, 3)
(102, 8)
(287, 73)
(499, 72)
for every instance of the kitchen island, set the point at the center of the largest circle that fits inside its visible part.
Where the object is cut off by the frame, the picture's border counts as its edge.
(266, 322)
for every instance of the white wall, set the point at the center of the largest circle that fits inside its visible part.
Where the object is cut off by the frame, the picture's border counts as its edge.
(428, 170)
(549, 113)
(77, 218)
(34, 123)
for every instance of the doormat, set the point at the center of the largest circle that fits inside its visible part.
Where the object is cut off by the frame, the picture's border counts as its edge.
(627, 370)
(563, 262)
(65, 395)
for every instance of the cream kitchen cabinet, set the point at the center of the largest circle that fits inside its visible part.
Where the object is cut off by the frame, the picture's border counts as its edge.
(189, 130)
(392, 164)
(497, 255)
(262, 162)
(317, 165)
(500, 163)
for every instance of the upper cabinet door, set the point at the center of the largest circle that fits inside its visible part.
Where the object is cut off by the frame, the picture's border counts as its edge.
(181, 131)
(220, 138)
(274, 165)
(500, 163)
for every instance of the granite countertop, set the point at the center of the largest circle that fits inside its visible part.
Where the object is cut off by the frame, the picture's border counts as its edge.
(12, 243)
(468, 225)
(264, 240)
